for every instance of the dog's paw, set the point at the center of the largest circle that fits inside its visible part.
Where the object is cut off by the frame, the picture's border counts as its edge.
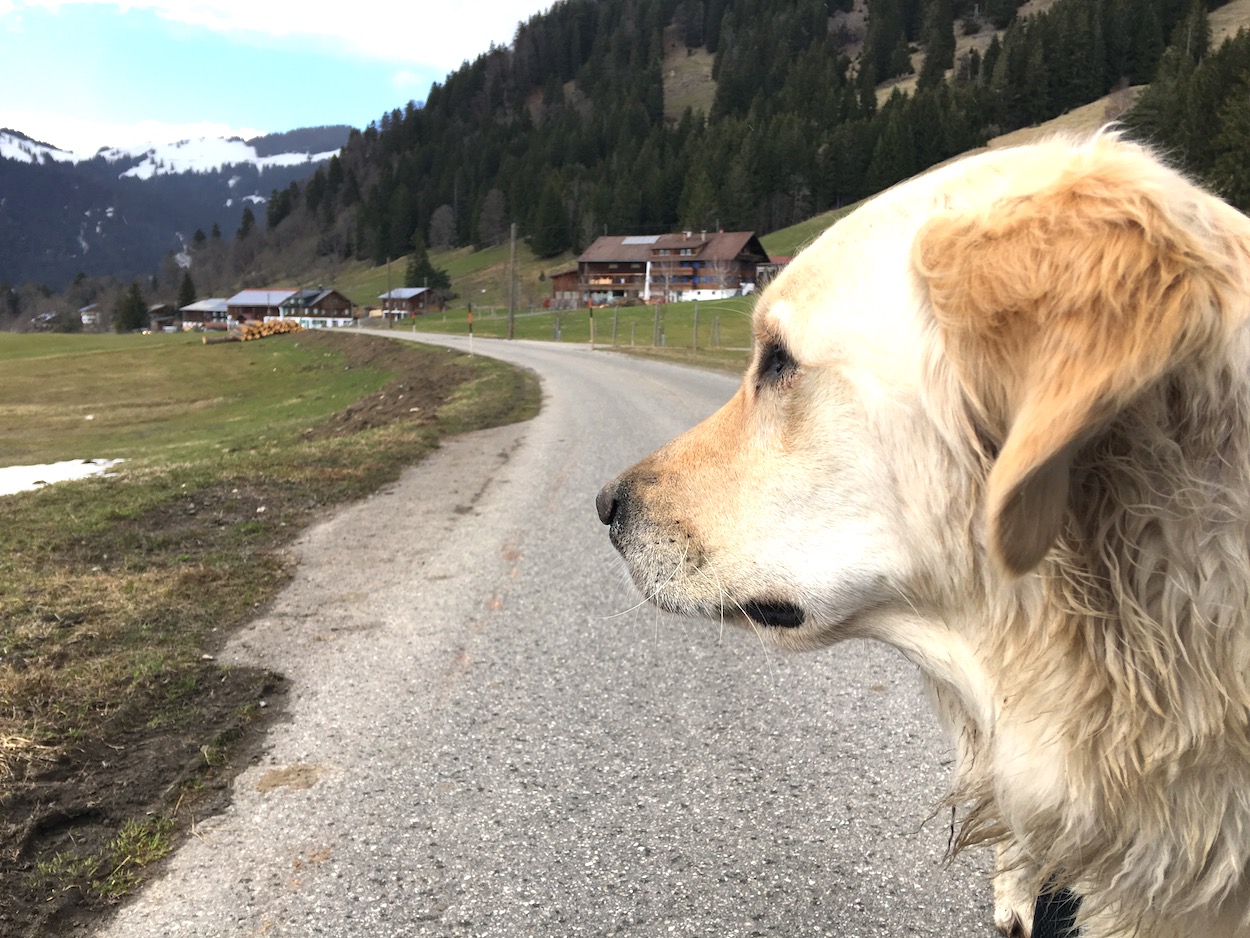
(1015, 890)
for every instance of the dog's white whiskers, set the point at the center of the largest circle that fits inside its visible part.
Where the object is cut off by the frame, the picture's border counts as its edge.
(722, 595)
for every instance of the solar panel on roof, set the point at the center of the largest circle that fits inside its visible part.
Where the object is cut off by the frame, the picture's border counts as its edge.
(640, 239)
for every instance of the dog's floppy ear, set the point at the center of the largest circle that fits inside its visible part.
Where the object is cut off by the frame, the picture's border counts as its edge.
(1056, 310)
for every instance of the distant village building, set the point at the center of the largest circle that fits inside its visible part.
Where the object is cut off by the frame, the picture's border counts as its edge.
(205, 314)
(564, 289)
(90, 314)
(669, 268)
(162, 318)
(317, 309)
(765, 273)
(406, 301)
(256, 305)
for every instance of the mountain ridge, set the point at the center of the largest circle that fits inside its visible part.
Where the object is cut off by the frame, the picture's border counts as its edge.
(118, 211)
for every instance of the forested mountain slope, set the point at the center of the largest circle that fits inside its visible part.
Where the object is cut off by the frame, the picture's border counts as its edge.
(575, 129)
(565, 132)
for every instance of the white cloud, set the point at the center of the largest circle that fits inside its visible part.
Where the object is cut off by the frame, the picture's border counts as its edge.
(405, 80)
(439, 36)
(81, 136)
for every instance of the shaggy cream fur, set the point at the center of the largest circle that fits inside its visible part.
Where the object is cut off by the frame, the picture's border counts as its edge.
(1000, 419)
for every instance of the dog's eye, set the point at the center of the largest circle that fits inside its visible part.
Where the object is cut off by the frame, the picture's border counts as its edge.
(776, 364)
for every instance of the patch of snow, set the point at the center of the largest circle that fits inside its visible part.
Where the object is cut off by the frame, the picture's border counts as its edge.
(30, 151)
(202, 155)
(293, 159)
(25, 478)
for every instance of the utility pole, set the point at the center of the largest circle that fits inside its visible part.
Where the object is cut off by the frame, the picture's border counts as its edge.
(512, 284)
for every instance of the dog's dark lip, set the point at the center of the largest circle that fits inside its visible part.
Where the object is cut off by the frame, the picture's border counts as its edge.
(774, 614)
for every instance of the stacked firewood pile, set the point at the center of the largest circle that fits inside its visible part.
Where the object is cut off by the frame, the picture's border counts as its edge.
(261, 330)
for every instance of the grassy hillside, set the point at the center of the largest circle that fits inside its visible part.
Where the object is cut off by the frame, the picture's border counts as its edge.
(481, 278)
(478, 277)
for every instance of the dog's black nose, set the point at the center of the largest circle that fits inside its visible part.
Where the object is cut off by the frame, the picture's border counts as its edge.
(605, 502)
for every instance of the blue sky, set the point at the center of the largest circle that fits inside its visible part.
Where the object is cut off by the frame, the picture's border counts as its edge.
(95, 73)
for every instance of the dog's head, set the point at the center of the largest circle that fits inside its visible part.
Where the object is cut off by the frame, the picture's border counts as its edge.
(922, 379)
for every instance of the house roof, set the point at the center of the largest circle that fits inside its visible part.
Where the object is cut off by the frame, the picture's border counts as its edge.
(214, 304)
(259, 297)
(707, 246)
(306, 299)
(402, 293)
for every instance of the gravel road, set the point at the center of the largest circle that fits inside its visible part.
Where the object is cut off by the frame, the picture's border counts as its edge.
(487, 736)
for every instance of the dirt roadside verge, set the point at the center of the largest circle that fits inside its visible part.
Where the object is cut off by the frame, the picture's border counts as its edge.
(119, 729)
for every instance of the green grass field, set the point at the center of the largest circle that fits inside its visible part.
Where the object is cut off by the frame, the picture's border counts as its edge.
(161, 396)
(723, 325)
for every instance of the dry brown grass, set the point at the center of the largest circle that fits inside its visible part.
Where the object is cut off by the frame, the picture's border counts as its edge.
(1227, 20)
(687, 77)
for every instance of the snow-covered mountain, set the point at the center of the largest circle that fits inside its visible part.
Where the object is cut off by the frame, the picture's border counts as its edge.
(119, 211)
(203, 155)
(15, 145)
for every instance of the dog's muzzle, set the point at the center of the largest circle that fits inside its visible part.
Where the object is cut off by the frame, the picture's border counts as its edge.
(614, 506)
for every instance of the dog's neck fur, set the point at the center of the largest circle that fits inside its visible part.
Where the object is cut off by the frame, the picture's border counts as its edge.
(1124, 656)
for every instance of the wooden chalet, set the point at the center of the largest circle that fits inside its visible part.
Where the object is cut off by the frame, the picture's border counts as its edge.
(406, 301)
(669, 268)
(319, 303)
(256, 305)
(162, 318)
(565, 291)
(205, 314)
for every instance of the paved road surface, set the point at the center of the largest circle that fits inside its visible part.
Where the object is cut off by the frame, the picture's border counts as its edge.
(488, 738)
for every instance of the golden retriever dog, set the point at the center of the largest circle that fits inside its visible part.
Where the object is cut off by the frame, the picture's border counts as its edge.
(999, 418)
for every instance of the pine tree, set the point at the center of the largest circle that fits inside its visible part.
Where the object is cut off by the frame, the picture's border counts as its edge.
(1192, 36)
(900, 59)
(186, 290)
(132, 311)
(697, 207)
(1231, 171)
(421, 272)
(549, 229)
(939, 43)
(247, 223)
